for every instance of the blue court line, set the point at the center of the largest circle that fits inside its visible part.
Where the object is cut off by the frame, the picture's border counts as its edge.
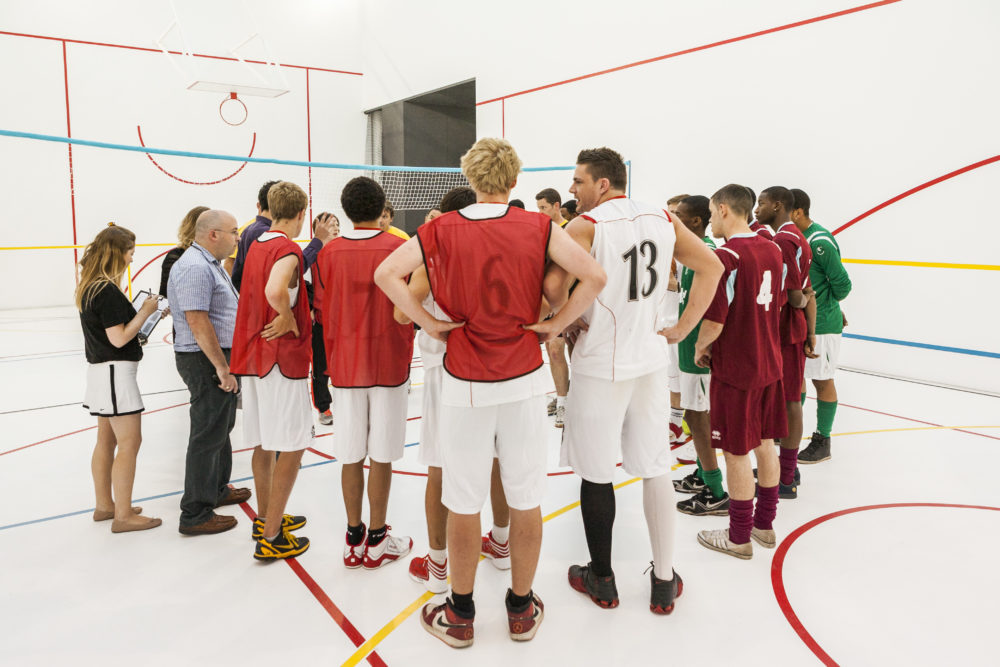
(926, 346)
(244, 158)
(157, 497)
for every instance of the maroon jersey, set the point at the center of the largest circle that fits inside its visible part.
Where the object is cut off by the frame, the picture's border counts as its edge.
(762, 230)
(365, 346)
(488, 273)
(797, 257)
(251, 354)
(747, 355)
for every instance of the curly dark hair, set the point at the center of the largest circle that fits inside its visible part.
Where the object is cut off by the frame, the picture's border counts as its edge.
(362, 199)
(457, 199)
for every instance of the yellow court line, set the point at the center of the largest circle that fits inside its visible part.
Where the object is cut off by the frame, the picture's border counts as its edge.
(362, 652)
(928, 265)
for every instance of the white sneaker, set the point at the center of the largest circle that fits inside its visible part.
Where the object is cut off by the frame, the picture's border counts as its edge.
(498, 554)
(686, 454)
(390, 549)
(718, 540)
(765, 538)
(430, 573)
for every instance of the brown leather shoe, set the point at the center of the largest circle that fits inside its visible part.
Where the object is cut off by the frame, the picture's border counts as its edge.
(235, 497)
(217, 524)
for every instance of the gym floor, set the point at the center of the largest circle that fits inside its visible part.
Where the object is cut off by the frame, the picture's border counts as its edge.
(884, 558)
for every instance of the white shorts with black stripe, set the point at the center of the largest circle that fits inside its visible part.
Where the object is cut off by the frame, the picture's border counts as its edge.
(112, 390)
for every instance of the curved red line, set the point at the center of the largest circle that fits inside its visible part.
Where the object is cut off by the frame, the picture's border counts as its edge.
(778, 563)
(177, 178)
(922, 186)
(136, 275)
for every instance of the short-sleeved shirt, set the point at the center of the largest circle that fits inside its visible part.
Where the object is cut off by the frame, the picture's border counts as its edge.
(797, 256)
(747, 354)
(685, 349)
(829, 279)
(198, 282)
(109, 307)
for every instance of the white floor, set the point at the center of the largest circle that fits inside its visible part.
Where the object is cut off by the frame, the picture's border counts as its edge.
(905, 585)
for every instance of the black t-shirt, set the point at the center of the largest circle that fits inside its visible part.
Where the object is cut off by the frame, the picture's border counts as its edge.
(108, 308)
(168, 263)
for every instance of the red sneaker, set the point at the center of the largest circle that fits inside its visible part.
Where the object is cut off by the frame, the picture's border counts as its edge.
(388, 550)
(498, 553)
(443, 622)
(354, 554)
(430, 573)
(523, 625)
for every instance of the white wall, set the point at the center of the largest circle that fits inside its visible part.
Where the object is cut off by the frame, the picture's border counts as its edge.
(854, 110)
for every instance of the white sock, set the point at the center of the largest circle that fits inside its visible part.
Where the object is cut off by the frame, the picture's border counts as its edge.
(658, 505)
(676, 416)
(438, 555)
(560, 401)
(500, 532)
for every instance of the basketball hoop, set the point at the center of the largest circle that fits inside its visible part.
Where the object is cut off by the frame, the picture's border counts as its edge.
(232, 110)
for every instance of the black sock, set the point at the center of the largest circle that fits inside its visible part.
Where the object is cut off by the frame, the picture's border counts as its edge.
(463, 605)
(355, 534)
(597, 504)
(517, 603)
(376, 536)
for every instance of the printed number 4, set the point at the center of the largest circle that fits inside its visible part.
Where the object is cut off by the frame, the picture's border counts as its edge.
(764, 296)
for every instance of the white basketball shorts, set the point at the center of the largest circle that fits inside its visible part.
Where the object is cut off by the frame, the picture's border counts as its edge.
(825, 366)
(371, 422)
(430, 421)
(694, 391)
(277, 412)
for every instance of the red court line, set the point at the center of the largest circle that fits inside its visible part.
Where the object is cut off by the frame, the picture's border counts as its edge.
(253, 145)
(136, 274)
(918, 421)
(89, 428)
(923, 186)
(309, 153)
(731, 40)
(778, 563)
(323, 454)
(66, 40)
(69, 148)
(338, 616)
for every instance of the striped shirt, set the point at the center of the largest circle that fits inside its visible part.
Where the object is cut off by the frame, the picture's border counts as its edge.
(198, 282)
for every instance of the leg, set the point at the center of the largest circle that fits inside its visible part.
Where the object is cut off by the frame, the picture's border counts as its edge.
(262, 465)
(525, 545)
(128, 433)
(768, 468)
(379, 482)
(352, 481)
(286, 469)
(739, 479)
(597, 506)
(437, 513)
(498, 499)
(556, 349)
(320, 385)
(790, 444)
(658, 506)
(100, 465)
(463, 551)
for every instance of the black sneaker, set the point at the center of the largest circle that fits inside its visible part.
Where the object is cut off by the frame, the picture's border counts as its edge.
(602, 590)
(690, 484)
(662, 593)
(788, 491)
(797, 480)
(817, 451)
(288, 522)
(285, 545)
(705, 504)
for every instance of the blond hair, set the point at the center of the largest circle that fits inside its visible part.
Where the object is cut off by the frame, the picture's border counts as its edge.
(103, 262)
(186, 232)
(491, 166)
(286, 200)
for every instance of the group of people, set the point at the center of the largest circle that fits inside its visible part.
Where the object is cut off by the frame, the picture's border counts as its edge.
(485, 282)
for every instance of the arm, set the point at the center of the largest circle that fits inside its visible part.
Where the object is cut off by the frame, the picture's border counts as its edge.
(568, 253)
(420, 286)
(797, 299)
(326, 227)
(204, 335)
(810, 344)
(707, 334)
(283, 275)
(390, 276)
(828, 257)
(120, 334)
(694, 254)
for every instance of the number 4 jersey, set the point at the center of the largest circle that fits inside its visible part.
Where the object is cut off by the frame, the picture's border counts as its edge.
(747, 303)
(634, 243)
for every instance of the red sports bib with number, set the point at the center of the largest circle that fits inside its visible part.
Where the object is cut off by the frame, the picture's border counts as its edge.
(488, 273)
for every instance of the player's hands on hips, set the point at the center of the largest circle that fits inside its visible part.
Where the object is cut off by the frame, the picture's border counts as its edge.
(673, 334)
(326, 227)
(279, 326)
(810, 346)
(703, 356)
(149, 305)
(439, 329)
(227, 381)
(573, 331)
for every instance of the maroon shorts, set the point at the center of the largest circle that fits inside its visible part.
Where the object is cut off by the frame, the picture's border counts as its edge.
(741, 418)
(793, 370)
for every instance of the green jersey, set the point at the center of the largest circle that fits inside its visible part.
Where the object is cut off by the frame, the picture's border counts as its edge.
(685, 349)
(829, 279)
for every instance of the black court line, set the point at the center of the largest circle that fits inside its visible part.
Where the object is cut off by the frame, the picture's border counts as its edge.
(63, 405)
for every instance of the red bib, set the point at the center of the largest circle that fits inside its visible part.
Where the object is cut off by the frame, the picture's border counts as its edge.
(251, 354)
(365, 346)
(488, 274)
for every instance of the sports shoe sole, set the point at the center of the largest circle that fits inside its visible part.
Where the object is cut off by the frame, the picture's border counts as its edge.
(827, 458)
(453, 642)
(723, 511)
(725, 551)
(282, 556)
(666, 611)
(603, 604)
(436, 586)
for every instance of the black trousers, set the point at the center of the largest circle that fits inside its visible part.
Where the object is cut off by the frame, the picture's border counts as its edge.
(320, 382)
(210, 453)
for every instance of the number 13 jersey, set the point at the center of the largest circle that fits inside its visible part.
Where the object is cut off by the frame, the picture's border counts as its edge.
(747, 354)
(634, 243)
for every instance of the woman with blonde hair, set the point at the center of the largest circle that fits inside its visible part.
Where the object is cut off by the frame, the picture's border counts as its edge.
(185, 234)
(110, 327)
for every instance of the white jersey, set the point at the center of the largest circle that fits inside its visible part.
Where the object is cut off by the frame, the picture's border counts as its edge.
(634, 243)
(431, 349)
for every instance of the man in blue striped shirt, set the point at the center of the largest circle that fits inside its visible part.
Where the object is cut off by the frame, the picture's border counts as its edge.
(203, 301)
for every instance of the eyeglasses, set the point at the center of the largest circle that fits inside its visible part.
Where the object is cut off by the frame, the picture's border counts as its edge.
(234, 232)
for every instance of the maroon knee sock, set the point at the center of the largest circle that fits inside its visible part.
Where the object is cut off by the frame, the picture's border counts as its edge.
(740, 520)
(789, 460)
(767, 507)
